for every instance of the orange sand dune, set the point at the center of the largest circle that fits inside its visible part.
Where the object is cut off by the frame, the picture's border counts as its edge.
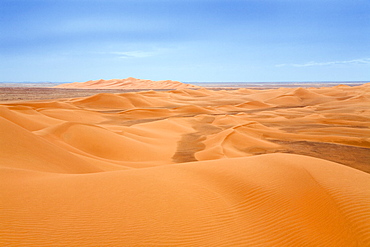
(278, 167)
(127, 83)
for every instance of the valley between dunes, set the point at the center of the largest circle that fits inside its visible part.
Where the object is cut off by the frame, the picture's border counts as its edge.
(188, 167)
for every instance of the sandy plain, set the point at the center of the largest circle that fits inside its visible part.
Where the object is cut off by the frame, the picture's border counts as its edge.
(186, 167)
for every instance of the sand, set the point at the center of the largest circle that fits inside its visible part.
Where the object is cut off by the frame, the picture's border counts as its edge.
(188, 167)
(128, 83)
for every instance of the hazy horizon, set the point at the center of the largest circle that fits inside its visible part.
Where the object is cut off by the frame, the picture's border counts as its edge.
(217, 83)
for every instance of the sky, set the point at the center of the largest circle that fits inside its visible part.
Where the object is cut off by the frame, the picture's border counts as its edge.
(185, 40)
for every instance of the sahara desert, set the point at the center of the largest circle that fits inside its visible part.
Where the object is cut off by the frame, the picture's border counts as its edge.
(174, 164)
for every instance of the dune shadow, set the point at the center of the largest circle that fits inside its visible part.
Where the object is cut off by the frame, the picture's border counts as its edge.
(193, 142)
(187, 147)
(355, 157)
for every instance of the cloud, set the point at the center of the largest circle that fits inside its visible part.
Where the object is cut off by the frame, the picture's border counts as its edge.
(311, 64)
(134, 54)
(129, 54)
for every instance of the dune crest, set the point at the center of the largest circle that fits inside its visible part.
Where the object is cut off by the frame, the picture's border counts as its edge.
(187, 167)
(128, 83)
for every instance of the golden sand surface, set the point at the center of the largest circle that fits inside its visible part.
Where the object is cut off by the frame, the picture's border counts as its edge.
(188, 167)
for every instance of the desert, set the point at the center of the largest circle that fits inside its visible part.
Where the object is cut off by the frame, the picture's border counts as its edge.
(184, 123)
(185, 166)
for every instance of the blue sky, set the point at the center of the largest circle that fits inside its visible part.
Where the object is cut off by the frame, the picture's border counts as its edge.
(185, 40)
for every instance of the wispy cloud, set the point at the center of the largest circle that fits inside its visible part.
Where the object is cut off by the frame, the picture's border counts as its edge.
(129, 54)
(134, 54)
(310, 64)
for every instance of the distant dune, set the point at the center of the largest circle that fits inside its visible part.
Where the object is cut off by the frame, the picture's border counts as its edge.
(243, 167)
(128, 83)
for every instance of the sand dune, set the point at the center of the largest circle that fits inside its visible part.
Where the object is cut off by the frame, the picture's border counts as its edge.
(279, 167)
(127, 83)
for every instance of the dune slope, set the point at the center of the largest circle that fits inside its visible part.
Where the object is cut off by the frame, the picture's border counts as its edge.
(274, 199)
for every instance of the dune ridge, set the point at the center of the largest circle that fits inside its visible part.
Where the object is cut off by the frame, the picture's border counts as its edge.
(128, 83)
(188, 167)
